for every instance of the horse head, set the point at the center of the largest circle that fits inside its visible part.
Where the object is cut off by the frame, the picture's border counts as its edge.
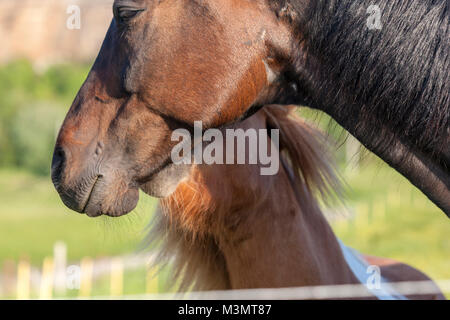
(166, 64)
(163, 65)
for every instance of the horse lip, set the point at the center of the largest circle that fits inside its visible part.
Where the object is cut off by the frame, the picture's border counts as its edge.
(91, 191)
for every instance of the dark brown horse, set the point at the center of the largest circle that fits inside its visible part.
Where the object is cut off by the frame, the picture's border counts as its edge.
(228, 227)
(165, 64)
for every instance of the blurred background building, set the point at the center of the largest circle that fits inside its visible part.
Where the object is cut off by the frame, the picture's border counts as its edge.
(37, 30)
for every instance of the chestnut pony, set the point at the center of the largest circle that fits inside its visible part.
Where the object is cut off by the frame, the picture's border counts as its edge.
(165, 64)
(229, 227)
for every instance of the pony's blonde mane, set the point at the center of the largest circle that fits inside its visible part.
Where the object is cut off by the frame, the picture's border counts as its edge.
(184, 226)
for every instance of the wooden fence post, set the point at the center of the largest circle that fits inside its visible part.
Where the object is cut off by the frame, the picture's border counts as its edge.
(152, 285)
(9, 278)
(46, 289)
(87, 268)
(23, 280)
(60, 267)
(116, 285)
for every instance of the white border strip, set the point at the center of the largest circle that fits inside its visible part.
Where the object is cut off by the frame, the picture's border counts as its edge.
(300, 293)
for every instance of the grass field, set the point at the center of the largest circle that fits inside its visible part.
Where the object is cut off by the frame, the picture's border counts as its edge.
(391, 219)
(32, 219)
(395, 220)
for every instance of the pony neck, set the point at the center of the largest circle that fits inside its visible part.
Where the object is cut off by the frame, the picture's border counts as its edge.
(263, 236)
(229, 227)
(278, 244)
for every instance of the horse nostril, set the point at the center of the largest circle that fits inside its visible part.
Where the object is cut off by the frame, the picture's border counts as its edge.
(59, 158)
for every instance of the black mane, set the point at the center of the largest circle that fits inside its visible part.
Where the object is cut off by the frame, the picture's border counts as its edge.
(397, 76)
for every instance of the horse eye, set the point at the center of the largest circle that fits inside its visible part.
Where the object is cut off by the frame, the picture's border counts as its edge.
(125, 14)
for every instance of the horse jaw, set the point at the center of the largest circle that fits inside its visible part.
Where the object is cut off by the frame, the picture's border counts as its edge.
(163, 183)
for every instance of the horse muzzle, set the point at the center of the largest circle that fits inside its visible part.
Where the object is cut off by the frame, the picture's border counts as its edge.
(91, 186)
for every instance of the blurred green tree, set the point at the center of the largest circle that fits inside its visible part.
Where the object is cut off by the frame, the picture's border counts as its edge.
(32, 104)
(33, 136)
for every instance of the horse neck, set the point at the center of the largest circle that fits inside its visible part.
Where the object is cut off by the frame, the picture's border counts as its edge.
(231, 223)
(273, 242)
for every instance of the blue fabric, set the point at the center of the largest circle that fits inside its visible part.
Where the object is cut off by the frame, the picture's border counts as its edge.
(360, 268)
